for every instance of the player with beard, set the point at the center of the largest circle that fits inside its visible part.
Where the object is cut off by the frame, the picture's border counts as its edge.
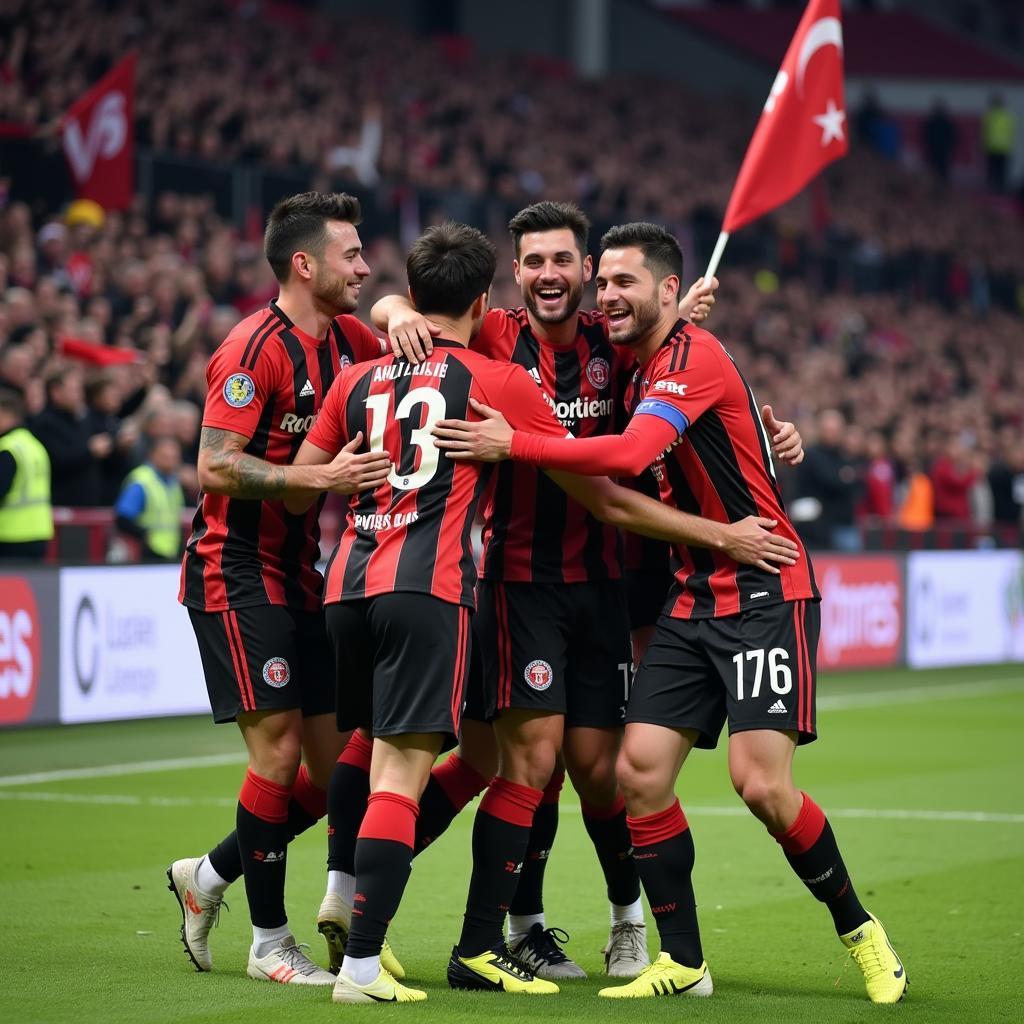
(734, 644)
(249, 579)
(552, 622)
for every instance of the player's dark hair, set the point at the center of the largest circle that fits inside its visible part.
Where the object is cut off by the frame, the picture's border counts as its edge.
(548, 216)
(299, 223)
(662, 254)
(449, 266)
(12, 403)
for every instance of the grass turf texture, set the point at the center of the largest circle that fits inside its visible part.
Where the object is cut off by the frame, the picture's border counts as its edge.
(90, 932)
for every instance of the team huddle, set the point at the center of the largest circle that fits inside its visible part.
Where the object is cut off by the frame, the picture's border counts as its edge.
(347, 688)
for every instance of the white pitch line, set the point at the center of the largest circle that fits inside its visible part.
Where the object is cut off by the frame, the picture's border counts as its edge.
(726, 811)
(839, 702)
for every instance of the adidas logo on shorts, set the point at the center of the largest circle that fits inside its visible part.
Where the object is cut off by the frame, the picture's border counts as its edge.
(778, 708)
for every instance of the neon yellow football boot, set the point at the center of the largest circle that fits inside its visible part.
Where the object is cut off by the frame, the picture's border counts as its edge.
(884, 976)
(664, 978)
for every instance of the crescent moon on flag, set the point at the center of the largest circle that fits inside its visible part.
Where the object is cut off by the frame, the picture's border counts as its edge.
(826, 32)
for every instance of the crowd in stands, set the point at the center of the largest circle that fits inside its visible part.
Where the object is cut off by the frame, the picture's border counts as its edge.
(885, 295)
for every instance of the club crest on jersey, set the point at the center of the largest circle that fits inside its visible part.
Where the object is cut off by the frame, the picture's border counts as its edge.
(344, 362)
(599, 373)
(239, 390)
(539, 675)
(276, 673)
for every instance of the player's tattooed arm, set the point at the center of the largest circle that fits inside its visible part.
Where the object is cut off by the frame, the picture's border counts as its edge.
(224, 467)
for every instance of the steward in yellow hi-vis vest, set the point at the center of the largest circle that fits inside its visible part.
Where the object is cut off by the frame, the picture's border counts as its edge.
(26, 515)
(151, 500)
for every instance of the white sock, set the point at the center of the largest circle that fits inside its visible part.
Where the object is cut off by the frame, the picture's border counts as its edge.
(341, 884)
(266, 939)
(632, 912)
(361, 969)
(520, 924)
(208, 880)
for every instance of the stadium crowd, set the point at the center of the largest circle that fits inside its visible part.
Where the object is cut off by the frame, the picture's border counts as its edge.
(898, 306)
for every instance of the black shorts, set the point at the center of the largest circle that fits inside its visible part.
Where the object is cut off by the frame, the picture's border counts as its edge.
(646, 594)
(557, 647)
(402, 662)
(267, 658)
(756, 670)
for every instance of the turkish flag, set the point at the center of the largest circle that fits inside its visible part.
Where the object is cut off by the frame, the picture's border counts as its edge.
(99, 138)
(803, 125)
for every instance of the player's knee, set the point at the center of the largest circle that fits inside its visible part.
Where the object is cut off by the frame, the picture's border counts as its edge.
(765, 796)
(634, 775)
(529, 765)
(278, 760)
(594, 778)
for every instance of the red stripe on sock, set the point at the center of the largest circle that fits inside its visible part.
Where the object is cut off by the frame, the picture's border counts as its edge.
(390, 816)
(658, 827)
(459, 780)
(264, 799)
(805, 831)
(312, 799)
(511, 802)
(553, 789)
(358, 752)
(595, 813)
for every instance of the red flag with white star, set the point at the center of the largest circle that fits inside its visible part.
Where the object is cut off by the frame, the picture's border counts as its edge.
(803, 125)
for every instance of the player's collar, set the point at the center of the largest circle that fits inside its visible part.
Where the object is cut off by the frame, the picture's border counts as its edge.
(677, 328)
(448, 343)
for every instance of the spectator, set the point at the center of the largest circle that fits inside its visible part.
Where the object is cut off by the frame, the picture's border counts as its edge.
(917, 509)
(1006, 480)
(74, 455)
(954, 475)
(829, 475)
(940, 136)
(997, 129)
(879, 478)
(104, 400)
(150, 504)
(26, 516)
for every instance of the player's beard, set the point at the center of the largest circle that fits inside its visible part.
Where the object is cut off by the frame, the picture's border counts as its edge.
(572, 300)
(645, 316)
(331, 293)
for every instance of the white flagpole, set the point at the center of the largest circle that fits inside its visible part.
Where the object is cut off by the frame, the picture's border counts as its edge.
(716, 256)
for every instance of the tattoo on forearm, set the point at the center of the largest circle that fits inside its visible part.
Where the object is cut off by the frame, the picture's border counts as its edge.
(251, 477)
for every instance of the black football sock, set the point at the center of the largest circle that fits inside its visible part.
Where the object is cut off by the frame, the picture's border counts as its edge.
(609, 833)
(305, 808)
(664, 855)
(262, 825)
(346, 803)
(501, 831)
(812, 852)
(529, 896)
(383, 859)
(452, 784)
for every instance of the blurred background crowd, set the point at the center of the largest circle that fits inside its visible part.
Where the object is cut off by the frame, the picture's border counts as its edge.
(881, 311)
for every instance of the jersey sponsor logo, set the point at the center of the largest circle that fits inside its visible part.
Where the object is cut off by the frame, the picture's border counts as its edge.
(539, 675)
(371, 521)
(239, 390)
(292, 424)
(570, 413)
(599, 373)
(671, 386)
(276, 673)
(307, 389)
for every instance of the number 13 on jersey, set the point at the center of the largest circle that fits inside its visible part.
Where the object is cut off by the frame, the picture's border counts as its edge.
(378, 407)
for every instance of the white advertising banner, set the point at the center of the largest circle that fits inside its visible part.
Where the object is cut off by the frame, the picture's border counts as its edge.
(127, 647)
(964, 607)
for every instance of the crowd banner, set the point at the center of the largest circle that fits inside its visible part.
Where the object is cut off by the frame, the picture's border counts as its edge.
(127, 648)
(964, 607)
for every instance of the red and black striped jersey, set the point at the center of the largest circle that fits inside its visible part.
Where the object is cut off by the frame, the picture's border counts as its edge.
(720, 468)
(533, 531)
(413, 533)
(266, 381)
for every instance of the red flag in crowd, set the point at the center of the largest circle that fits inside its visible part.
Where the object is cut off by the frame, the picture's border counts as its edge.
(803, 125)
(99, 138)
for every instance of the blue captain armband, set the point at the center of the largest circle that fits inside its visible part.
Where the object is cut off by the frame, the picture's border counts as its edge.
(664, 410)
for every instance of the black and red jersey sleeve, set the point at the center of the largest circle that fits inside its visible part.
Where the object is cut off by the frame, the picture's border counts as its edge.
(685, 381)
(236, 394)
(364, 342)
(329, 433)
(497, 335)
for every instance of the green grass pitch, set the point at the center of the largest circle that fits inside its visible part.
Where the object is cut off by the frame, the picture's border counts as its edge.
(920, 773)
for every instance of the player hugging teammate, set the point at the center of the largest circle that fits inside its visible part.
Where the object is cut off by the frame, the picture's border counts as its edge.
(549, 644)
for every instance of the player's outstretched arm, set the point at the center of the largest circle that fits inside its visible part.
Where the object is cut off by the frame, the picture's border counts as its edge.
(749, 541)
(411, 334)
(696, 304)
(225, 468)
